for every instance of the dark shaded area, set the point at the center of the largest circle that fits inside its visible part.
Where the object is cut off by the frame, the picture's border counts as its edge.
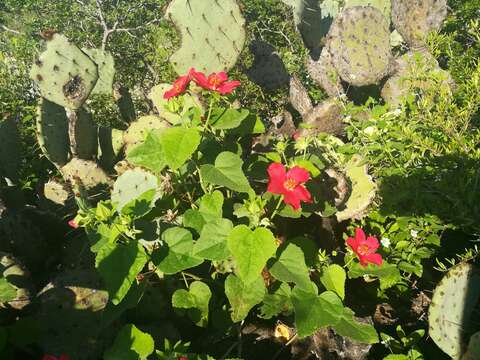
(313, 26)
(268, 70)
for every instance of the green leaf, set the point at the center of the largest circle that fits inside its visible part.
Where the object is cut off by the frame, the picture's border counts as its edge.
(228, 118)
(149, 154)
(226, 172)
(210, 209)
(251, 125)
(178, 144)
(177, 253)
(130, 344)
(251, 250)
(314, 311)
(277, 302)
(333, 278)
(243, 297)
(212, 244)
(348, 326)
(388, 274)
(396, 357)
(7, 291)
(196, 298)
(290, 266)
(119, 265)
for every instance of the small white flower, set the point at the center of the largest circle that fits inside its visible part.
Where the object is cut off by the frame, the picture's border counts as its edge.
(414, 233)
(370, 130)
(347, 118)
(353, 76)
(385, 242)
(397, 112)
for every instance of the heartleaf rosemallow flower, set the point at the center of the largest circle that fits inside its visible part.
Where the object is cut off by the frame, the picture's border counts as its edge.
(365, 247)
(289, 184)
(179, 85)
(215, 82)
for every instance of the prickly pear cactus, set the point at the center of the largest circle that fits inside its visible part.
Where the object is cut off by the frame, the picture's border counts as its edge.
(106, 70)
(189, 101)
(52, 132)
(416, 70)
(56, 192)
(362, 190)
(473, 350)
(110, 147)
(131, 185)
(359, 44)
(19, 278)
(138, 130)
(212, 31)
(10, 149)
(415, 19)
(83, 134)
(324, 73)
(64, 74)
(383, 5)
(71, 308)
(87, 172)
(453, 302)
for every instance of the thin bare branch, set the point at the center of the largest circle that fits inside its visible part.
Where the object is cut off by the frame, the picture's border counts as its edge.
(7, 29)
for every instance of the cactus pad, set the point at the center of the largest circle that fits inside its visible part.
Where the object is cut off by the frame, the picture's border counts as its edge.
(362, 190)
(17, 276)
(414, 19)
(453, 302)
(324, 73)
(416, 70)
(52, 132)
(87, 172)
(189, 101)
(56, 192)
(10, 150)
(110, 143)
(212, 32)
(359, 43)
(383, 5)
(138, 130)
(131, 185)
(106, 70)
(64, 74)
(83, 134)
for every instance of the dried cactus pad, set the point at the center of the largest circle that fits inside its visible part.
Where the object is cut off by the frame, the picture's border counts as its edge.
(83, 134)
(359, 43)
(52, 132)
(212, 32)
(56, 192)
(106, 70)
(453, 302)
(324, 73)
(87, 172)
(362, 190)
(414, 19)
(64, 74)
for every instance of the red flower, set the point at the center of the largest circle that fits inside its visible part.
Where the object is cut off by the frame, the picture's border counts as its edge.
(180, 85)
(296, 135)
(215, 82)
(51, 357)
(289, 184)
(365, 247)
(73, 224)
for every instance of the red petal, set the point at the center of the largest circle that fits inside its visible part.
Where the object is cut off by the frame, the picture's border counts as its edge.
(170, 93)
(303, 194)
(63, 357)
(353, 243)
(299, 174)
(363, 260)
(359, 235)
(374, 259)
(228, 87)
(276, 173)
(73, 224)
(291, 198)
(200, 79)
(372, 244)
(222, 76)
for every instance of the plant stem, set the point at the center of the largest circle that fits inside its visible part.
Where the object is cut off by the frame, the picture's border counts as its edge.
(277, 207)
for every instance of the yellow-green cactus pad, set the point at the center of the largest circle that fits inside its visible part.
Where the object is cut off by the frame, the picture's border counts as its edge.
(359, 43)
